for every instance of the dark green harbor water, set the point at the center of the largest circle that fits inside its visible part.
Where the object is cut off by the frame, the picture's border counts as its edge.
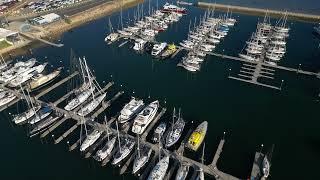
(250, 115)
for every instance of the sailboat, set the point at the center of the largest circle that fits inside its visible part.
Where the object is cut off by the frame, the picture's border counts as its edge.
(175, 130)
(142, 157)
(106, 150)
(44, 124)
(125, 148)
(96, 101)
(183, 170)
(112, 36)
(90, 139)
(159, 170)
(23, 117)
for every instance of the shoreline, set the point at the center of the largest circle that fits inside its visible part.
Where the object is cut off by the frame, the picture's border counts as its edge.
(55, 30)
(313, 18)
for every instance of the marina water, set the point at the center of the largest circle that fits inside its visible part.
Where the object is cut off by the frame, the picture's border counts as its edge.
(250, 115)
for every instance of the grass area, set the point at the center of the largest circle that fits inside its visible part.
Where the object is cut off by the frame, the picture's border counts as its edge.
(4, 44)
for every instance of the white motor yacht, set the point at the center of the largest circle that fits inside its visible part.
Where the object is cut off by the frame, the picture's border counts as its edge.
(158, 48)
(145, 117)
(130, 109)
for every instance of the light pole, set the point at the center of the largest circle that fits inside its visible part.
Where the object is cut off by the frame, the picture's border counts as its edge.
(299, 68)
(261, 147)
(281, 84)
(229, 71)
(224, 134)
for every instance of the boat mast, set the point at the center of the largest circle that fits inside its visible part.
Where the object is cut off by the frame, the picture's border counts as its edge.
(32, 105)
(173, 116)
(118, 137)
(107, 127)
(24, 95)
(138, 148)
(85, 63)
(159, 147)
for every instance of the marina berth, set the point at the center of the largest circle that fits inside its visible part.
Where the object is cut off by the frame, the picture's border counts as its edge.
(169, 51)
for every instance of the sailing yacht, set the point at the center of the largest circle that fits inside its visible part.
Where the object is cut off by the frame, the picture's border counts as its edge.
(41, 114)
(141, 158)
(265, 167)
(79, 99)
(159, 131)
(130, 109)
(175, 130)
(144, 118)
(124, 150)
(183, 171)
(23, 117)
(159, 170)
(106, 150)
(111, 37)
(44, 124)
(42, 80)
(92, 105)
(90, 139)
(8, 97)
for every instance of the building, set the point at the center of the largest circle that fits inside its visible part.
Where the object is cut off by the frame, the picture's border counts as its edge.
(8, 36)
(45, 19)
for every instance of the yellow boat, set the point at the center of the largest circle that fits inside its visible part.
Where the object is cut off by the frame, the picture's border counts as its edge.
(197, 136)
(171, 49)
(43, 80)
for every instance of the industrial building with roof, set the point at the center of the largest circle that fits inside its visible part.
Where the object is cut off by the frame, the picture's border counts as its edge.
(45, 19)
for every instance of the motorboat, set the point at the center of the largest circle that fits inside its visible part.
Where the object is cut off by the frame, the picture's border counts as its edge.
(173, 8)
(111, 37)
(42, 80)
(130, 109)
(158, 48)
(139, 44)
(197, 136)
(145, 117)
